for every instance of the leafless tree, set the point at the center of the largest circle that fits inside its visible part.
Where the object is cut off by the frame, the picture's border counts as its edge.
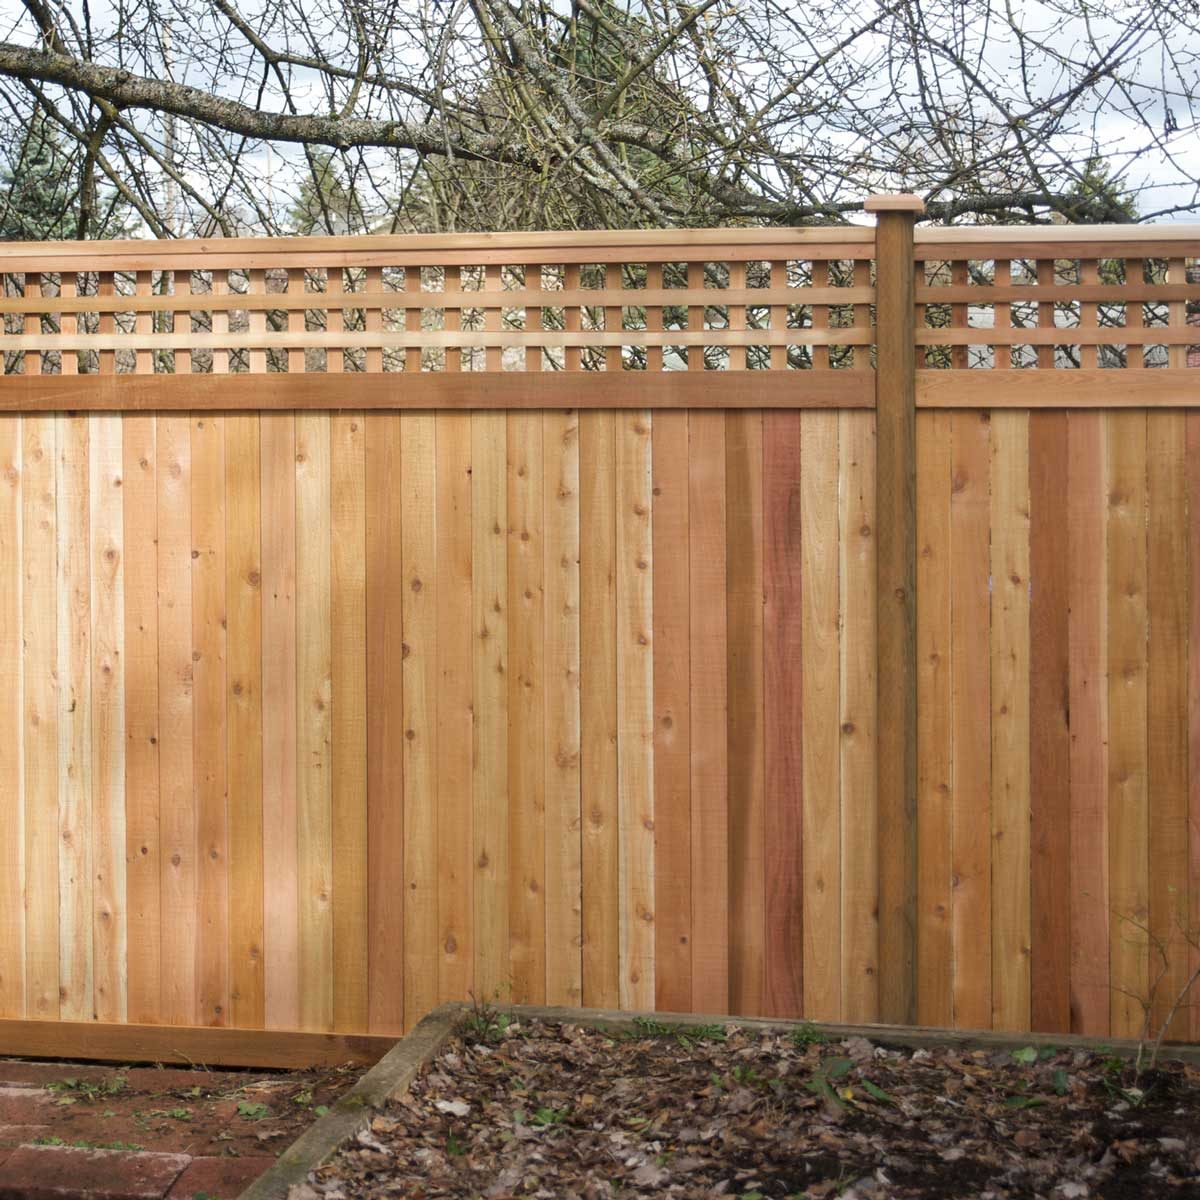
(510, 113)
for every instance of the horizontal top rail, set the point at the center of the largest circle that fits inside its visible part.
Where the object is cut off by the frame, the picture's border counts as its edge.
(455, 249)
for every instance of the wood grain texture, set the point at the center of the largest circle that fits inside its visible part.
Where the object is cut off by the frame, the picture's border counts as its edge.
(314, 697)
(73, 593)
(1087, 515)
(709, 712)
(860, 847)
(1192, 439)
(1167, 581)
(143, 896)
(490, 658)
(1128, 814)
(970, 697)
(12, 812)
(175, 704)
(598, 707)
(209, 743)
(895, 591)
(107, 835)
(935, 746)
(820, 708)
(561, 751)
(672, 716)
(526, 710)
(455, 642)
(1010, 667)
(783, 797)
(419, 667)
(39, 626)
(1049, 735)
(745, 738)
(385, 723)
(348, 724)
(635, 708)
(281, 896)
(244, 673)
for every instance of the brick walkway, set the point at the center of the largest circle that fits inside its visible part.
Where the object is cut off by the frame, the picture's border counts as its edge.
(71, 1132)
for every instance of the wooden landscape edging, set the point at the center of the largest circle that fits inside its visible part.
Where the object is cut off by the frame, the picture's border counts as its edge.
(83, 1041)
(386, 1080)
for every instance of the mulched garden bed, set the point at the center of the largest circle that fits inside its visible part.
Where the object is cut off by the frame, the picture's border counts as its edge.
(530, 1109)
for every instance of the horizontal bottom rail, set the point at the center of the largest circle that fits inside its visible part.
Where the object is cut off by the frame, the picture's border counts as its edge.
(1149, 387)
(440, 390)
(214, 1047)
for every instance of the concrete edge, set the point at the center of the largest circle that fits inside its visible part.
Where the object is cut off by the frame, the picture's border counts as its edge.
(914, 1037)
(352, 1112)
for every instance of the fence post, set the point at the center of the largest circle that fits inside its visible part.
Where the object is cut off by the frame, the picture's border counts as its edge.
(896, 600)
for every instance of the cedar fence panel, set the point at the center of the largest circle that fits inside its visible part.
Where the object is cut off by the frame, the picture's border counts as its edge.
(784, 622)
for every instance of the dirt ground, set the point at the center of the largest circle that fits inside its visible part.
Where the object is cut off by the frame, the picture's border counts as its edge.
(536, 1110)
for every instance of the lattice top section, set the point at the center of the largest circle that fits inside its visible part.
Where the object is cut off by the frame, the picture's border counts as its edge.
(769, 300)
(1075, 299)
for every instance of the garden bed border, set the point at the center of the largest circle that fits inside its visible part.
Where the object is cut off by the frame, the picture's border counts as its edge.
(394, 1073)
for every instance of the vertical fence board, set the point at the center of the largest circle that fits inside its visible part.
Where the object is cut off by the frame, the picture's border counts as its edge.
(107, 834)
(314, 697)
(385, 722)
(672, 715)
(176, 764)
(1128, 859)
(12, 810)
(281, 895)
(74, 719)
(1010, 720)
(490, 794)
(142, 846)
(348, 748)
(1049, 751)
(1192, 436)
(709, 712)
(860, 848)
(1087, 506)
(561, 753)
(970, 720)
(244, 669)
(598, 706)
(935, 797)
(526, 711)
(1167, 569)
(744, 591)
(783, 798)
(419, 664)
(454, 705)
(39, 684)
(821, 705)
(209, 742)
(635, 709)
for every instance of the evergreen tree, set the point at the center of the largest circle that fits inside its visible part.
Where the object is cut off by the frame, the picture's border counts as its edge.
(38, 188)
(39, 192)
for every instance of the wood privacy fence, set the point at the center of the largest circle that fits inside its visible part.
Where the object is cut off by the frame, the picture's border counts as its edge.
(772, 621)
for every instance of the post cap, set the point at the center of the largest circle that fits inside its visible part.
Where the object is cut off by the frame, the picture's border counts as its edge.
(894, 202)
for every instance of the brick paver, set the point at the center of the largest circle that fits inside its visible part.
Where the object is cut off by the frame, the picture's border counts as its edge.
(67, 1173)
(220, 1178)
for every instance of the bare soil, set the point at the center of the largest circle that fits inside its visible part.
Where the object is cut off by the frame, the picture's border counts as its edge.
(537, 1110)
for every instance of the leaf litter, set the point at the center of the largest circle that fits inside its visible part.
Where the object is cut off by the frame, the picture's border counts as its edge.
(532, 1109)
